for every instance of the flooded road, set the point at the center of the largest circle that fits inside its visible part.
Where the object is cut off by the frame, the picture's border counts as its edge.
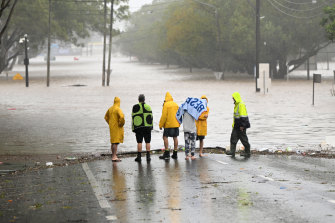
(68, 119)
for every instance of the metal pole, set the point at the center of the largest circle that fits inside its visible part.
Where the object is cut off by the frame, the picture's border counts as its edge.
(49, 40)
(313, 90)
(26, 60)
(308, 69)
(219, 42)
(257, 40)
(110, 42)
(264, 81)
(104, 48)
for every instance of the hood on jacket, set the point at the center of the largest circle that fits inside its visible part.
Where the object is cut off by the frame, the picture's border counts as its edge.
(168, 97)
(204, 97)
(117, 101)
(237, 97)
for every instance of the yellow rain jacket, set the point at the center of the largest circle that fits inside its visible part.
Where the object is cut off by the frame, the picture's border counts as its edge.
(201, 123)
(241, 118)
(115, 119)
(168, 118)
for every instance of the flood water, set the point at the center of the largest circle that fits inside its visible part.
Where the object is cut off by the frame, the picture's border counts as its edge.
(64, 118)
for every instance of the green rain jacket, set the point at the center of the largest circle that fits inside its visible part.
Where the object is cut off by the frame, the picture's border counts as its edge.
(141, 116)
(240, 113)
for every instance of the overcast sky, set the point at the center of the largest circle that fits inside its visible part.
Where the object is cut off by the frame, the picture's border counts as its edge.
(135, 5)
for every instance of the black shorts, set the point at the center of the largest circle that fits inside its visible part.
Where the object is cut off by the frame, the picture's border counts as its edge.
(200, 137)
(143, 133)
(171, 132)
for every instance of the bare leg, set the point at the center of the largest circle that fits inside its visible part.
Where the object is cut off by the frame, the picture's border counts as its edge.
(147, 146)
(114, 151)
(175, 142)
(139, 147)
(166, 143)
(201, 145)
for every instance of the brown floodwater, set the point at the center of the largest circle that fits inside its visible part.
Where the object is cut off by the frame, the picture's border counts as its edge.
(65, 118)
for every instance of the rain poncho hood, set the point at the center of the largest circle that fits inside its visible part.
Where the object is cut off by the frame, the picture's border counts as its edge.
(237, 97)
(115, 119)
(168, 97)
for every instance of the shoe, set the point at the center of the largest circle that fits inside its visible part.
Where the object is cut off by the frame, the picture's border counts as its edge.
(229, 153)
(246, 155)
(166, 155)
(148, 157)
(138, 159)
(174, 155)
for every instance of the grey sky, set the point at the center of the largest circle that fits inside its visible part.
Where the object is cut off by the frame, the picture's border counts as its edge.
(135, 5)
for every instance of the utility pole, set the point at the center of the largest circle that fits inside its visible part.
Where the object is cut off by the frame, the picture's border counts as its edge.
(258, 4)
(49, 40)
(104, 47)
(219, 43)
(26, 59)
(110, 42)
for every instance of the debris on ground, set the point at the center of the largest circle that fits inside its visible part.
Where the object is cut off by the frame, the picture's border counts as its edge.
(70, 158)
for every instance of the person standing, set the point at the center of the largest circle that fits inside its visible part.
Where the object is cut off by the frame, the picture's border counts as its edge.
(171, 126)
(142, 125)
(240, 125)
(189, 135)
(115, 119)
(188, 113)
(201, 125)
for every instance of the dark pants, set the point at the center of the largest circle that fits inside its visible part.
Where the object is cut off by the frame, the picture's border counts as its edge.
(236, 135)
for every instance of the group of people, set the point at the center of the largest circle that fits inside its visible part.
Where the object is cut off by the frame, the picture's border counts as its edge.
(193, 114)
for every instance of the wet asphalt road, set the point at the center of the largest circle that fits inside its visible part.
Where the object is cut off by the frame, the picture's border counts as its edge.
(211, 189)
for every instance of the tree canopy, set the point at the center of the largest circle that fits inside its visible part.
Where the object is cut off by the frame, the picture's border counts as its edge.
(70, 21)
(329, 22)
(201, 33)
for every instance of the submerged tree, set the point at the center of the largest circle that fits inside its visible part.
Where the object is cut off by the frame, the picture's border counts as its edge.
(70, 21)
(187, 32)
(329, 22)
(6, 13)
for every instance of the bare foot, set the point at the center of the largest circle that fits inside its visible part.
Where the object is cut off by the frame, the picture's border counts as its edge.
(187, 157)
(202, 155)
(193, 157)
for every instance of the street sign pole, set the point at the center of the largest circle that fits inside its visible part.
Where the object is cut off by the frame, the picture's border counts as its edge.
(26, 59)
(316, 79)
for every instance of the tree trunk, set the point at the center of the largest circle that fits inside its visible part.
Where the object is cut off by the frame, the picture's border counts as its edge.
(10, 67)
(282, 69)
(273, 69)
